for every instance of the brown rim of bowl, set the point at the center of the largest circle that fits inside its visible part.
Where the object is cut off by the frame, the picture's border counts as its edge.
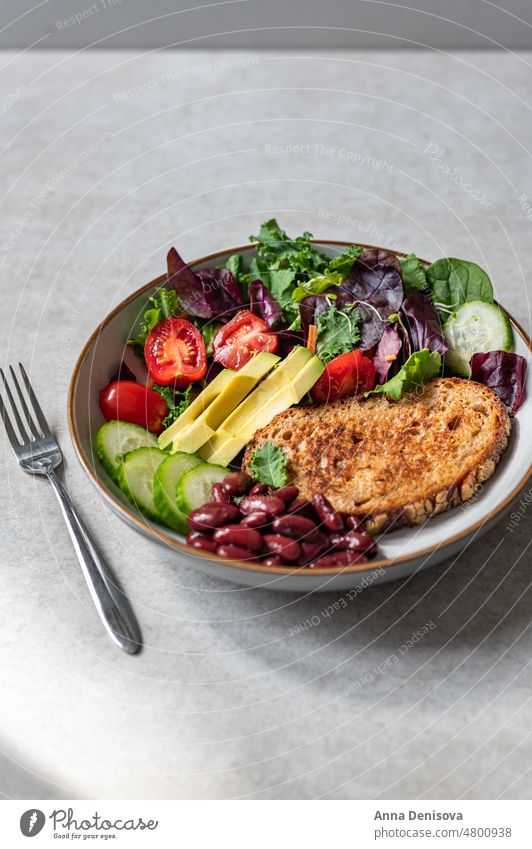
(163, 537)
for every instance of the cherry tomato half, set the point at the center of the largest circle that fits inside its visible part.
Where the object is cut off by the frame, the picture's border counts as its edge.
(237, 341)
(348, 374)
(133, 402)
(175, 353)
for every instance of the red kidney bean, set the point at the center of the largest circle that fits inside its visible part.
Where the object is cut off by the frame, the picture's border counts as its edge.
(255, 520)
(269, 504)
(212, 515)
(237, 483)
(192, 535)
(302, 508)
(311, 550)
(297, 527)
(328, 515)
(235, 552)
(219, 495)
(238, 535)
(284, 547)
(338, 558)
(273, 561)
(352, 540)
(204, 543)
(354, 523)
(259, 489)
(287, 493)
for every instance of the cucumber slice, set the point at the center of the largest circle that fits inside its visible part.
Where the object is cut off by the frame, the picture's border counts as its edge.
(165, 483)
(114, 439)
(135, 478)
(476, 327)
(194, 488)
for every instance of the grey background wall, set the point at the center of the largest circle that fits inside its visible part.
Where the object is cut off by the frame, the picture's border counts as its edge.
(275, 23)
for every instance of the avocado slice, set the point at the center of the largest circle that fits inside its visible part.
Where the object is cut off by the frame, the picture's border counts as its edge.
(221, 444)
(262, 406)
(190, 432)
(283, 376)
(197, 407)
(192, 437)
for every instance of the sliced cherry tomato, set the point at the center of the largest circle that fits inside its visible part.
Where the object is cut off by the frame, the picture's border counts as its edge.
(133, 402)
(175, 353)
(237, 341)
(348, 374)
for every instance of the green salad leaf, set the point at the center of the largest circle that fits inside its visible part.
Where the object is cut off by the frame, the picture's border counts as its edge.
(293, 269)
(414, 274)
(208, 331)
(235, 264)
(269, 465)
(317, 285)
(280, 251)
(343, 262)
(455, 281)
(177, 399)
(161, 305)
(419, 368)
(280, 282)
(338, 332)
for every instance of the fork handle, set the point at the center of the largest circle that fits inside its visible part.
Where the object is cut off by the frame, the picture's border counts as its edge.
(112, 605)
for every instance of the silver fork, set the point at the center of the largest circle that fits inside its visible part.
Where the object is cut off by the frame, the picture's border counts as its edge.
(38, 453)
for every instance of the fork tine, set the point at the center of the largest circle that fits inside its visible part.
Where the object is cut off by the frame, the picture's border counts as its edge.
(13, 438)
(36, 432)
(23, 435)
(36, 407)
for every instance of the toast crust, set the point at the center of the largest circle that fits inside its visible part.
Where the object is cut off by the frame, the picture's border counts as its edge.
(394, 463)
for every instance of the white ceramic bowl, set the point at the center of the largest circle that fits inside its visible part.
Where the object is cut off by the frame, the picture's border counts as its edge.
(401, 552)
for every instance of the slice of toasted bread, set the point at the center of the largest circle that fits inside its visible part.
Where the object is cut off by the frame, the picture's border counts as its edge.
(394, 463)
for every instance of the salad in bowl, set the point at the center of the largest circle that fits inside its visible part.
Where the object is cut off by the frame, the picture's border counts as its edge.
(291, 408)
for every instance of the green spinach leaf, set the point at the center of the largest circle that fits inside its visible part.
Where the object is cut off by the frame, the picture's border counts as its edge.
(455, 281)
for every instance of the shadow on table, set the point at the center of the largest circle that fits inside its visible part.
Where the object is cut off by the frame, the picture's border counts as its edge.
(18, 782)
(481, 596)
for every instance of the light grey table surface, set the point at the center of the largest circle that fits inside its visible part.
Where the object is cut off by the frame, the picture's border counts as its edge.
(108, 159)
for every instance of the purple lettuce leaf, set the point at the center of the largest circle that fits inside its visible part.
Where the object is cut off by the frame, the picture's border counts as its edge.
(380, 286)
(424, 323)
(375, 285)
(372, 326)
(209, 293)
(503, 372)
(288, 339)
(379, 256)
(123, 372)
(213, 370)
(221, 292)
(387, 352)
(187, 285)
(263, 304)
(403, 333)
